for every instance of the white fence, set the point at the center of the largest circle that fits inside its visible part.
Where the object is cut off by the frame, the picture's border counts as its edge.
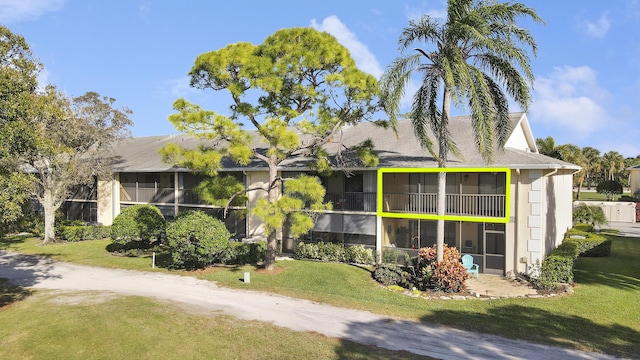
(614, 211)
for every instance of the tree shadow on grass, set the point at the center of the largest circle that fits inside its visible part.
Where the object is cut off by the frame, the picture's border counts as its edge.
(10, 294)
(541, 326)
(9, 241)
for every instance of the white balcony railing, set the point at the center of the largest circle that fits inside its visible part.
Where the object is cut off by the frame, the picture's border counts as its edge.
(484, 205)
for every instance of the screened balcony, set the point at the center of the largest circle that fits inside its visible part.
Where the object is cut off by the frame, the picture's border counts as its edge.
(469, 194)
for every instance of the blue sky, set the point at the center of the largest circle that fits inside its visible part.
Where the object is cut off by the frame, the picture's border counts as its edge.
(587, 88)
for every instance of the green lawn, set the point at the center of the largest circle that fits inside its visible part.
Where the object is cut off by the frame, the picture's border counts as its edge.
(85, 326)
(594, 196)
(603, 315)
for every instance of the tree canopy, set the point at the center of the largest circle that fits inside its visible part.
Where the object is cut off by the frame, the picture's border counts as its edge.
(18, 82)
(73, 138)
(297, 90)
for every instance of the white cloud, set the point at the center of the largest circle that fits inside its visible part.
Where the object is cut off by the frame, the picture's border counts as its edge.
(599, 28)
(571, 98)
(364, 58)
(416, 13)
(12, 11)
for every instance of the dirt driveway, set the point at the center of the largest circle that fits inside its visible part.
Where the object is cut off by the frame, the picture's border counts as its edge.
(301, 315)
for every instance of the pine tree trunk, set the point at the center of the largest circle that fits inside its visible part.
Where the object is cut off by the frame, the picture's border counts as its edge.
(270, 260)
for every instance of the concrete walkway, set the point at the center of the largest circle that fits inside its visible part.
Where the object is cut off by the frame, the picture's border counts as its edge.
(300, 315)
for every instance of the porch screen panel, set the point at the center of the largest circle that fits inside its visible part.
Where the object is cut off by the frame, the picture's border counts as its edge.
(360, 224)
(329, 223)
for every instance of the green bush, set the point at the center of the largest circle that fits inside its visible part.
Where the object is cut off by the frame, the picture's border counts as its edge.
(557, 268)
(392, 256)
(359, 254)
(589, 214)
(582, 227)
(84, 232)
(610, 188)
(392, 274)
(137, 226)
(245, 253)
(331, 252)
(306, 251)
(322, 251)
(196, 240)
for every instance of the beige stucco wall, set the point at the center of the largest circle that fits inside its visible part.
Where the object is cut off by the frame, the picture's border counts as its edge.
(634, 180)
(105, 202)
(544, 211)
(255, 227)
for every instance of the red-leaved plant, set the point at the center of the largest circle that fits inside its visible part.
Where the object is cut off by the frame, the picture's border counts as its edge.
(447, 275)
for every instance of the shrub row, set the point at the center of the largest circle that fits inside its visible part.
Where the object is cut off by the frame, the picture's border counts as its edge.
(84, 232)
(322, 251)
(557, 268)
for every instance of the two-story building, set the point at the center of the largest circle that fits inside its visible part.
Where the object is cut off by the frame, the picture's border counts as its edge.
(508, 214)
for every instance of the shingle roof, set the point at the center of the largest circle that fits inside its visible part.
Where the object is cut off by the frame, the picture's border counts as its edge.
(141, 154)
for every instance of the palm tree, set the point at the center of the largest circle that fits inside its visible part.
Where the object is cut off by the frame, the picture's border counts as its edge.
(613, 163)
(475, 57)
(547, 146)
(592, 164)
(573, 154)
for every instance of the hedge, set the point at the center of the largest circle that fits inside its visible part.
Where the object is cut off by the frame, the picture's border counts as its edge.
(557, 268)
(322, 251)
(84, 232)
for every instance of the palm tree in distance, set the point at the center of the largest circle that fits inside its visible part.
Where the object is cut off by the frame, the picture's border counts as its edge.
(476, 61)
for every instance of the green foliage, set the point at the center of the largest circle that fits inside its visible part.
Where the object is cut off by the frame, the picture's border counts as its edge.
(137, 224)
(557, 268)
(18, 82)
(14, 199)
(359, 254)
(582, 227)
(196, 240)
(245, 253)
(393, 256)
(392, 274)
(589, 214)
(322, 251)
(447, 275)
(303, 196)
(299, 83)
(610, 188)
(84, 232)
(217, 190)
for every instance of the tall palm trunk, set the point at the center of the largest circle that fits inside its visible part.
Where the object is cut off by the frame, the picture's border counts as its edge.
(443, 149)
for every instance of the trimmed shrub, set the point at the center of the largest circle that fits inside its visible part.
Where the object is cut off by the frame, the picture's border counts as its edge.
(83, 232)
(196, 240)
(246, 253)
(557, 268)
(610, 188)
(359, 254)
(306, 251)
(322, 251)
(582, 227)
(447, 275)
(392, 274)
(137, 226)
(331, 252)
